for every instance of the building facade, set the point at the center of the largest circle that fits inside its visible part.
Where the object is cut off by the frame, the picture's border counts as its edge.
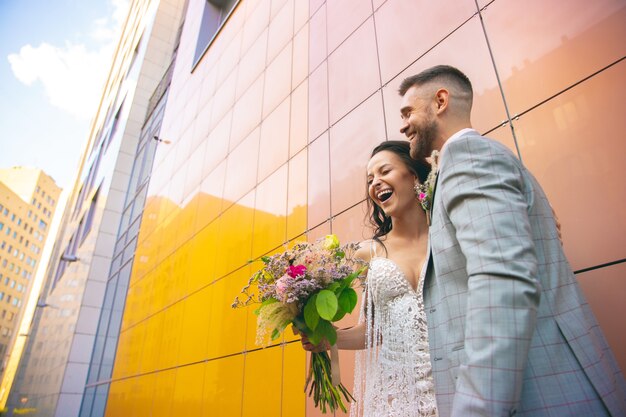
(271, 113)
(28, 201)
(271, 126)
(53, 371)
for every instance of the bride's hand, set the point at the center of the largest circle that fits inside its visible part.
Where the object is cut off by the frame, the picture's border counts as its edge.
(310, 347)
(558, 224)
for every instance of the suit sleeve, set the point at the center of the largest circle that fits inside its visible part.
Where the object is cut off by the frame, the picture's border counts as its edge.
(483, 192)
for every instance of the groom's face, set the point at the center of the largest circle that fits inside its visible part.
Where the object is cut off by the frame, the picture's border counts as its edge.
(419, 123)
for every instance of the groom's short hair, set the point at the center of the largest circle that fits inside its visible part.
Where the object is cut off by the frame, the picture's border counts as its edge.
(440, 73)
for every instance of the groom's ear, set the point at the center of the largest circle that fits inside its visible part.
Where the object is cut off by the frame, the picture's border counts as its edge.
(442, 100)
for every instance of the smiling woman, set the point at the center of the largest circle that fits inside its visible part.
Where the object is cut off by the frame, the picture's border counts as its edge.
(393, 155)
(393, 371)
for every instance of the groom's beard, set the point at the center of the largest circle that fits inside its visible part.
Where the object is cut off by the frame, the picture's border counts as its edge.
(422, 146)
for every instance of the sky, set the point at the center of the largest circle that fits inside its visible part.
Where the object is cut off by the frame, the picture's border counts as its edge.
(54, 57)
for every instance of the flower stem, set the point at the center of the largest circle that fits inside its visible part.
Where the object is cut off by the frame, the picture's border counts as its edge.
(325, 394)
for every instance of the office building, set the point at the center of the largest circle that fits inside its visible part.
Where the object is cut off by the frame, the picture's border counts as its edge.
(28, 202)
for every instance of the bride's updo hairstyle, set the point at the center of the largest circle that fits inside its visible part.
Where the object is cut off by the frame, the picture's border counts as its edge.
(380, 222)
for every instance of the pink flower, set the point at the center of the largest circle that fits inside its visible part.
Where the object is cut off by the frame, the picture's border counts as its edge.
(296, 271)
(281, 285)
(422, 196)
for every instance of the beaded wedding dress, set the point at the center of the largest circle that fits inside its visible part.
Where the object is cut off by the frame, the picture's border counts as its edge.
(393, 376)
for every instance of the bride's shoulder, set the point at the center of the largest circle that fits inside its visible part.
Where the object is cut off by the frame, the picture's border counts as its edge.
(367, 249)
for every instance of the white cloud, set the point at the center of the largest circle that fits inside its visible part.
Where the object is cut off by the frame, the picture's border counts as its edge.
(72, 75)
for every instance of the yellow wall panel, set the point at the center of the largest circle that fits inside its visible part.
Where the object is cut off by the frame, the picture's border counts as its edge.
(195, 327)
(235, 237)
(152, 343)
(179, 272)
(117, 399)
(170, 343)
(161, 287)
(186, 226)
(294, 375)
(143, 389)
(269, 217)
(227, 329)
(262, 383)
(128, 355)
(164, 385)
(143, 304)
(202, 257)
(188, 390)
(223, 385)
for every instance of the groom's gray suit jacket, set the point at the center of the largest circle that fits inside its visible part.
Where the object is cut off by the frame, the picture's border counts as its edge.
(510, 331)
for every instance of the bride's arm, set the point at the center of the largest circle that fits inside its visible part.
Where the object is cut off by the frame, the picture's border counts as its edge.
(352, 338)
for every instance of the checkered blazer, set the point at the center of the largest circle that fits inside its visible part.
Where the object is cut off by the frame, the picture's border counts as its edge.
(510, 332)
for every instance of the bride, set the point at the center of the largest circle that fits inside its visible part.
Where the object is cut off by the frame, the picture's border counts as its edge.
(393, 371)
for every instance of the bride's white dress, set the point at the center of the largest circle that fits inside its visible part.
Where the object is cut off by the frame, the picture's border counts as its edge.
(393, 377)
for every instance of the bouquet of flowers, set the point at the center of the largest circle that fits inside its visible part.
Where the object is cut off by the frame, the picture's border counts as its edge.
(310, 287)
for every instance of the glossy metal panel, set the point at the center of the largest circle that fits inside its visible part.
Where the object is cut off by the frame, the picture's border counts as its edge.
(349, 85)
(541, 48)
(318, 182)
(580, 164)
(351, 142)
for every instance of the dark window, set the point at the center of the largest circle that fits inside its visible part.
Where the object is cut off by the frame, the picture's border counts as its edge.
(89, 218)
(216, 12)
(114, 126)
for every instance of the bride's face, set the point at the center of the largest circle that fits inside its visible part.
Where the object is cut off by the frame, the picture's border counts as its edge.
(390, 183)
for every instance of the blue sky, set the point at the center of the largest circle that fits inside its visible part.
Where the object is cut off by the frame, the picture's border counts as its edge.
(54, 56)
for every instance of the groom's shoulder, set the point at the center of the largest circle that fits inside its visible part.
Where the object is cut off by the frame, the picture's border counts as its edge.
(475, 142)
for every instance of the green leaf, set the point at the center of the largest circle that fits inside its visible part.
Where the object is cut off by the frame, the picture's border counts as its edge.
(332, 287)
(347, 300)
(300, 324)
(326, 304)
(275, 334)
(265, 259)
(316, 336)
(339, 315)
(256, 277)
(311, 318)
(327, 331)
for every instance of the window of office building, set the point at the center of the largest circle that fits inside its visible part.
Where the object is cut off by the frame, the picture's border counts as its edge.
(89, 218)
(215, 14)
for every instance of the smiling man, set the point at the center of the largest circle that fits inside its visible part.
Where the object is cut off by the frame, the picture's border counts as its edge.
(510, 332)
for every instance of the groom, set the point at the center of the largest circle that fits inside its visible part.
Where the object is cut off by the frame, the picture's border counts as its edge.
(510, 331)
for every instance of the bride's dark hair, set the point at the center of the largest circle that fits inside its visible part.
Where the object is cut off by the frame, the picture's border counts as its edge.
(380, 222)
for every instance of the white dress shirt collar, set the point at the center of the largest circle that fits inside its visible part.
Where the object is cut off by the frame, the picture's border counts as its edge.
(454, 137)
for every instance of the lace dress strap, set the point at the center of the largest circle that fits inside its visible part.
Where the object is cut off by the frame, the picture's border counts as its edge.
(373, 249)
